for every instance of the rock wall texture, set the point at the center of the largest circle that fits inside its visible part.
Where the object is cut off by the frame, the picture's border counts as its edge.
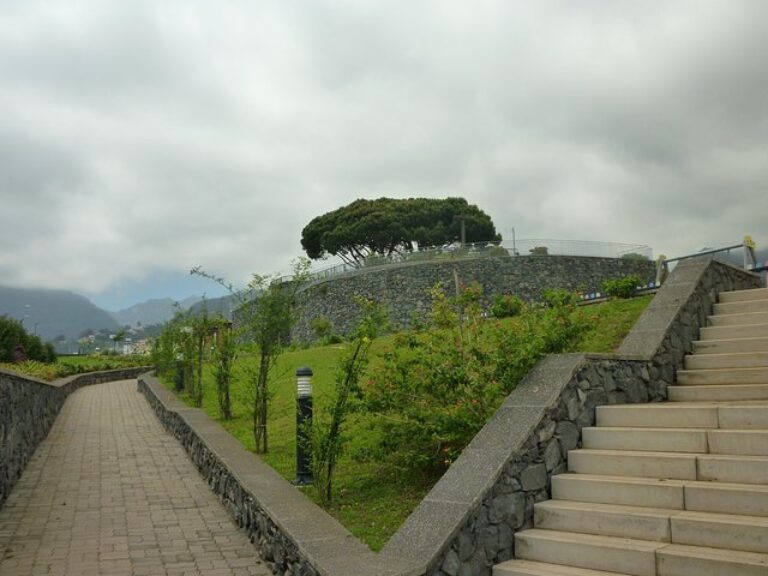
(466, 524)
(404, 289)
(28, 407)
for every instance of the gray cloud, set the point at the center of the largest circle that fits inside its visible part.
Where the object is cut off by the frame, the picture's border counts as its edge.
(144, 137)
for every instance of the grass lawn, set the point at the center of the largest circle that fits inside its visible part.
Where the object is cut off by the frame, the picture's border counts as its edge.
(368, 499)
(69, 365)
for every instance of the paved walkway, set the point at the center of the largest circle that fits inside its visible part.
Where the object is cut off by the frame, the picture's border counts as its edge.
(110, 492)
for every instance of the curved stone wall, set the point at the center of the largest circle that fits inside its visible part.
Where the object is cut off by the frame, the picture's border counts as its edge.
(29, 406)
(403, 289)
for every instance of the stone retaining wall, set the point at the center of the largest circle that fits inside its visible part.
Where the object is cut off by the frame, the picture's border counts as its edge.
(28, 408)
(466, 524)
(404, 289)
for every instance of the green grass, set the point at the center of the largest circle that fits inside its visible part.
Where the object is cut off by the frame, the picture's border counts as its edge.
(69, 365)
(368, 499)
(611, 322)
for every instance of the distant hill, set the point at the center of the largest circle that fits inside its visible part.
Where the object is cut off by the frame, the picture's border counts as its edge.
(154, 311)
(223, 306)
(52, 313)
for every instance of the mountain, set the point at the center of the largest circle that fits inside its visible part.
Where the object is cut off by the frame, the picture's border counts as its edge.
(216, 306)
(52, 313)
(154, 311)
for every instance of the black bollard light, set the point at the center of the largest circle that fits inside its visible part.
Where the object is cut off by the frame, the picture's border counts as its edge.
(303, 426)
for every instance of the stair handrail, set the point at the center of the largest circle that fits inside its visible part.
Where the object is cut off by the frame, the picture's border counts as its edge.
(750, 261)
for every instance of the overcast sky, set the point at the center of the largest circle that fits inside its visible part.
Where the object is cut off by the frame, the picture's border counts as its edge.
(139, 139)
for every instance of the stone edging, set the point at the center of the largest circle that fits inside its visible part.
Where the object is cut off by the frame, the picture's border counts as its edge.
(466, 524)
(28, 408)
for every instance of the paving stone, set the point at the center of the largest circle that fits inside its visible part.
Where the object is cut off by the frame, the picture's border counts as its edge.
(110, 492)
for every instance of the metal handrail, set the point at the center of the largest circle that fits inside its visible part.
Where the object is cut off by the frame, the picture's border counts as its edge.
(750, 261)
(455, 251)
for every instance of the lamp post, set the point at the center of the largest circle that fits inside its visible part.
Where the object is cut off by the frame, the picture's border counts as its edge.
(303, 426)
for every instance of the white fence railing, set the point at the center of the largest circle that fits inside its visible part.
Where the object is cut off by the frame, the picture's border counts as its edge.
(523, 247)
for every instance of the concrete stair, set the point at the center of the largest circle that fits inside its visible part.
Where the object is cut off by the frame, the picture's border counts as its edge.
(672, 489)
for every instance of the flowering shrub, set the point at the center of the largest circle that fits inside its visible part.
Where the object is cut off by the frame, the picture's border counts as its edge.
(437, 388)
(622, 287)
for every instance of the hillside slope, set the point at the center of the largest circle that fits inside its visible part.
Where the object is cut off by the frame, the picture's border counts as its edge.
(52, 313)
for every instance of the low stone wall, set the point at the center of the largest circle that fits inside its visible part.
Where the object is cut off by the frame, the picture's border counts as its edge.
(404, 289)
(466, 524)
(489, 492)
(28, 408)
(294, 536)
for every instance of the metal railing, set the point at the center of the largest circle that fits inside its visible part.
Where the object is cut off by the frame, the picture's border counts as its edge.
(747, 246)
(523, 247)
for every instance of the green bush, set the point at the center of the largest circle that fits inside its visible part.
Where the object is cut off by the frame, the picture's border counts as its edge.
(559, 297)
(634, 256)
(16, 345)
(506, 306)
(622, 287)
(435, 389)
(497, 251)
(321, 326)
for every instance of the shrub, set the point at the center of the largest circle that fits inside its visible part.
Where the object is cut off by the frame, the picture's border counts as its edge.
(321, 326)
(622, 287)
(497, 251)
(559, 297)
(435, 389)
(634, 256)
(16, 345)
(506, 306)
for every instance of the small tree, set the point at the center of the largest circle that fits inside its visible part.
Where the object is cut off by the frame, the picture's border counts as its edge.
(266, 315)
(326, 437)
(118, 338)
(225, 351)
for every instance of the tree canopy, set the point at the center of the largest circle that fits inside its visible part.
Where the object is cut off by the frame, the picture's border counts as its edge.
(388, 225)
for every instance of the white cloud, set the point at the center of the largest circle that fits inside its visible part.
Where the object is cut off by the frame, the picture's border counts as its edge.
(146, 137)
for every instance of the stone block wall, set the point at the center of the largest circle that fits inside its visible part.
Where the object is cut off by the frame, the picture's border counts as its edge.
(404, 289)
(466, 524)
(28, 408)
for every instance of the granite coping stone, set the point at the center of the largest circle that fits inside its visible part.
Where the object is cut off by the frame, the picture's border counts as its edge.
(429, 527)
(329, 547)
(545, 382)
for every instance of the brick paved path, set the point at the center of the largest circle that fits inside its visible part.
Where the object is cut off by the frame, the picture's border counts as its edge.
(109, 492)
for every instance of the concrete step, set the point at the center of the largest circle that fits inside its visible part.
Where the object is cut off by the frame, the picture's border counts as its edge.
(742, 307)
(718, 393)
(531, 568)
(667, 465)
(743, 417)
(732, 360)
(688, 440)
(604, 519)
(726, 498)
(658, 415)
(635, 464)
(738, 319)
(679, 560)
(696, 496)
(739, 442)
(729, 345)
(753, 375)
(722, 376)
(622, 490)
(624, 555)
(727, 531)
(725, 332)
(732, 469)
(743, 295)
